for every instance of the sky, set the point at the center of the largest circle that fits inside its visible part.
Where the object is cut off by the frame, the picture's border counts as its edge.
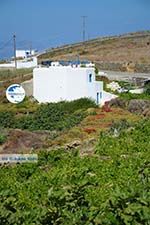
(46, 23)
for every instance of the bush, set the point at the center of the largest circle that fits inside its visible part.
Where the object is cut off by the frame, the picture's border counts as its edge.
(96, 70)
(130, 96)
(119, 126)
(79, 104)
(55, 116)
(147, 88)
(132, 140)
(7, 119)
(64, 188)
(2, 139)
(111, 187)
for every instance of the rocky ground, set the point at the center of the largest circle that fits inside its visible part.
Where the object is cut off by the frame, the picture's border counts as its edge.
(137, 106)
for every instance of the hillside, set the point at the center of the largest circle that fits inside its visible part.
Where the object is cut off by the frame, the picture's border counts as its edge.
(108, 186)
(130, 50)
(93, 163)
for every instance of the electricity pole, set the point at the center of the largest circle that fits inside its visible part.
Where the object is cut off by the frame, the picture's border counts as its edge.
(84, 27)
(30, 48)
(15, 59)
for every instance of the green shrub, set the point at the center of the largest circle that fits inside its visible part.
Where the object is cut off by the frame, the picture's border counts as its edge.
(64, 188)
(119, 126)
(82, 103)
(2, 139)
(126, 141)
(147, 89)
(130, 96)
(55, 116)
(7, 119)
(111, 187)
(96, 70)
(25, 123)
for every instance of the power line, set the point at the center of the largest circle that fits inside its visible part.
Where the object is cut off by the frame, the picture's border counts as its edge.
(5, 44)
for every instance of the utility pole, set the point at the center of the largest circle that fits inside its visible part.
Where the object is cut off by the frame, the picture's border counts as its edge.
(15, 59)
(30, 48)
(84, 27)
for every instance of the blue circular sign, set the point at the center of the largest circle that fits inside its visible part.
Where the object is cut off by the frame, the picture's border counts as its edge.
(15, 93)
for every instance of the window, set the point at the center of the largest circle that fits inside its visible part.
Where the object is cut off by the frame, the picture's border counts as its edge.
(90, 78)
(97, 99)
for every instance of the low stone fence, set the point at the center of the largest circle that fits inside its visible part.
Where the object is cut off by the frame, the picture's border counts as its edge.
(124, 67)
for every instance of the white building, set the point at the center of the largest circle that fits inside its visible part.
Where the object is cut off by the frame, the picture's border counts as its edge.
(58, 83)
(30, 63)
(24, 53)
(21, 64)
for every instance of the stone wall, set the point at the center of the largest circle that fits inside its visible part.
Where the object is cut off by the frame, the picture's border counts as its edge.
(124, 67)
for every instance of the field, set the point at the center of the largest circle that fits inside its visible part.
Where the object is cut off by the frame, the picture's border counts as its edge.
(55, 125)
(112, 186)
(93, 164)
(8, 74)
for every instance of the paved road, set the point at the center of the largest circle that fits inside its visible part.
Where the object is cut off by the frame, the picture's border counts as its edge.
(126, 76)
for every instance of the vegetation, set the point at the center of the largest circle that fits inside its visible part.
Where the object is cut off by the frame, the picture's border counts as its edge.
(6, 119)
(126, 84)
(130, 96)
(2, 139)
(26, 107)
(147, 88)
(52, 116)
(110, 187)
(96, 70)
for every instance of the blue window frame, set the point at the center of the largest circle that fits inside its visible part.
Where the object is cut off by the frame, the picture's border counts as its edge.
(97, 98)
(90, 78)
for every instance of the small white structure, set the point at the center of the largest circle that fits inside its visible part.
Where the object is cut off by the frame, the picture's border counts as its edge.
(137, 91)
(58, 83)
(25, 53)
(90, 64)
(55, 63)
(32, 63)
(102, 73)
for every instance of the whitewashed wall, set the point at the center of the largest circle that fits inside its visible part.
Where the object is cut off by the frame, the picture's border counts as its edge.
(23, 53)
(49, 84)
(54, 84)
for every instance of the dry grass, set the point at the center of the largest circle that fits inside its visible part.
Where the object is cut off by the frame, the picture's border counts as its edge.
(135, 48)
